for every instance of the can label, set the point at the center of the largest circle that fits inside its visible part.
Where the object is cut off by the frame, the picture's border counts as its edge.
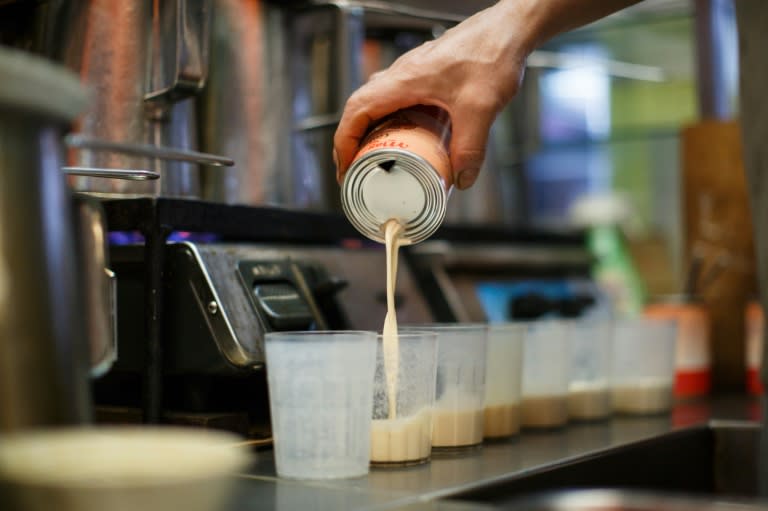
(423, 130)
(402, 172)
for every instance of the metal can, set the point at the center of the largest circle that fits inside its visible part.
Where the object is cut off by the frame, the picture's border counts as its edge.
(402, 171)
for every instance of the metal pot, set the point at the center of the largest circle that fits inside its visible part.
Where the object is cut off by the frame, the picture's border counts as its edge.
(43, 362)
(98, 281)
(144, 61)
(278, 80)
(244, 94)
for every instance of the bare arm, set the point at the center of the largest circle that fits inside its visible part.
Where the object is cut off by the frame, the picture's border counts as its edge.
(472, 71)
(556, 16)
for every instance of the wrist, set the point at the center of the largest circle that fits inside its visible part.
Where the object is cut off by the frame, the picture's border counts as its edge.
(539, 20)
(526, 23)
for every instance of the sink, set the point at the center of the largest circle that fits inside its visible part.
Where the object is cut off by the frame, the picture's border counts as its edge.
(623, 500)
(718, 460)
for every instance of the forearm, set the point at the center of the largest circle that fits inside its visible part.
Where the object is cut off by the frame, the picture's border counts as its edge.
(544, 19)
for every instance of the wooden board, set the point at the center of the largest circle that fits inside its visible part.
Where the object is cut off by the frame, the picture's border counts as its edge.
(718, 229)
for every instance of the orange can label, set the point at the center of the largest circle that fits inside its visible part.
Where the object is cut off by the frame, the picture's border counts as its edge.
(421, 130)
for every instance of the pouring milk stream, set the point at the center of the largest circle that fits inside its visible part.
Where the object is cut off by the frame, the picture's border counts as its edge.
(393, 231)
(395, 192)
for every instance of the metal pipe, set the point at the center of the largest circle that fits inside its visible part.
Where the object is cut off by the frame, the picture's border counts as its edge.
(712, 30)
(147, 150)
(154, 258)
(129, 174)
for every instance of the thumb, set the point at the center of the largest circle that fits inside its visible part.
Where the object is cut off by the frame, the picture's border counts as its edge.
(468, 140)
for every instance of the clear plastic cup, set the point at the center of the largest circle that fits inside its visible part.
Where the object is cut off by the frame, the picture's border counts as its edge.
(589, 392)
(321, 397)
(546, 374)
(460, 391)
(643, 366)
(503, 380)
(403, 436)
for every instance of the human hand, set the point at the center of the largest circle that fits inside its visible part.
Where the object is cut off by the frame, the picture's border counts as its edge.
(471, 71)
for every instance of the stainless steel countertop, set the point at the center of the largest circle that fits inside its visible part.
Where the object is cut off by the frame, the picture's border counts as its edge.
(446, 475)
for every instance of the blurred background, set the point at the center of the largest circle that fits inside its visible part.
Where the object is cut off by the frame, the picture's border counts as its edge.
(624, 132)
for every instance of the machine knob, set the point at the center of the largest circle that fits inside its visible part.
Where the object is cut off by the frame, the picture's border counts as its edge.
(283, 305)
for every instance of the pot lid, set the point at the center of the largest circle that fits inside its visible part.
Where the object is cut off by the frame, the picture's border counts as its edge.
(36, 85)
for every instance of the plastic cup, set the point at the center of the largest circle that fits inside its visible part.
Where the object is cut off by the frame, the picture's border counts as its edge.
(643, 367)
(503, 380)
(460, 390)
(321, 397)
(693, 371)
(546, 374)
(589, 392)
(404, 436)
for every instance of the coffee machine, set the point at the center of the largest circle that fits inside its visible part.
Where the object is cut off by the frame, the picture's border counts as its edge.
(210, 280)
(193, 312)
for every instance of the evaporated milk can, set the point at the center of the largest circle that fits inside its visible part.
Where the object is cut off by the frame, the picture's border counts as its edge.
(402, 171)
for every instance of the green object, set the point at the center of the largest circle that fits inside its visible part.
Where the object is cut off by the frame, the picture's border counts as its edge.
(614, 270)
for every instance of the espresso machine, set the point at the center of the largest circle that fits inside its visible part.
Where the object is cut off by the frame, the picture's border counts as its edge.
(193, 310)
(228, 275)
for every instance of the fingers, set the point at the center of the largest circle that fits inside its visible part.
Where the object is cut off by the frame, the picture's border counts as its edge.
(352, 127)
(469, 137)
(471, 123)
(376, 99)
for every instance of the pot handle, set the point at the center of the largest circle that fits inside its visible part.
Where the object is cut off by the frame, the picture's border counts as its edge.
(98, 283)
(77, 141)
(102, 360)
(180, 41)
(126, 174)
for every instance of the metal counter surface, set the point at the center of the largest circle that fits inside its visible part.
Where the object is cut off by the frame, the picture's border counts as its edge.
(420, 487)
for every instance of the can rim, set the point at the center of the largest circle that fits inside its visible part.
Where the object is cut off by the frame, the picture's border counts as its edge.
(417, 229)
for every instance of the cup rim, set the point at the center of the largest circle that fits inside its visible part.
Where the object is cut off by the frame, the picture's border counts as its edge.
(645, 320)
(508, 325)
(362, 334)
(440, 327)
(411, 336)
(564, 323)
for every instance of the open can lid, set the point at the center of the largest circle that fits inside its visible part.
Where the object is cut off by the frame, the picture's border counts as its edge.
(394, 184)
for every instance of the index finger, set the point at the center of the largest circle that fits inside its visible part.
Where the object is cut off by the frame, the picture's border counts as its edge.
(352, 127)
(370, 103)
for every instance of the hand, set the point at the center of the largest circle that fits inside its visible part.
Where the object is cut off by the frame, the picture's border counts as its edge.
(471, 71)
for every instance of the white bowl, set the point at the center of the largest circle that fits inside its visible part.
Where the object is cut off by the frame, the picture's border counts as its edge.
(120, 468)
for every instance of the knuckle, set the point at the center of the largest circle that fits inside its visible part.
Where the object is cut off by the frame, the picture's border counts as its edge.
(470, 157)
(486, 102)
(356, 102)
